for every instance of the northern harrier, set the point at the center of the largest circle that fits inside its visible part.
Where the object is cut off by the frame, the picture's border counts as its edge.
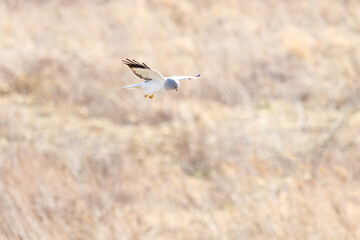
(153, 82)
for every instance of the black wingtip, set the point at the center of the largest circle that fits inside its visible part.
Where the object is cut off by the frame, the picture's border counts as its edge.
(134, 64)
(199, 75)
(126, 61)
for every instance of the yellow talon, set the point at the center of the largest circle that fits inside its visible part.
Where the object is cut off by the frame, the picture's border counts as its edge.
(145, 96)
(151, 96)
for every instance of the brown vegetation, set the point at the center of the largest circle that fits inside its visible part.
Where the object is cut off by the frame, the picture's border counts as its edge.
(265, 146)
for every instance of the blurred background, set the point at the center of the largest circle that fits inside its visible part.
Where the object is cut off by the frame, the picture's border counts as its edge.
(266, 145)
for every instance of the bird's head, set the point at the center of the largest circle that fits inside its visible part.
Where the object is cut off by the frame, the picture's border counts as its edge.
(171, 84)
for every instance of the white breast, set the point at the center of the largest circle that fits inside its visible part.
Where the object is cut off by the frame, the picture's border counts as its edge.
(152, 87)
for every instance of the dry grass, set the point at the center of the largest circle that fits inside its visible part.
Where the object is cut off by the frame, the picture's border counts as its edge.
(265, 146)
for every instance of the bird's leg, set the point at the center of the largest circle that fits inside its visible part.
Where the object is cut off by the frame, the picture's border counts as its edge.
(151, 96)
(145, 96)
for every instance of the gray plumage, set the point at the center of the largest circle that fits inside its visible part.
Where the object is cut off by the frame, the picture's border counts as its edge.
(171, 84)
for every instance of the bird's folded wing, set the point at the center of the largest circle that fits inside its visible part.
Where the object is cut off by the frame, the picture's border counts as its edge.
(141, 70)
(185, 77)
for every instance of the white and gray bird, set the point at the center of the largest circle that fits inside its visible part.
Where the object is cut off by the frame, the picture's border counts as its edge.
(153, 82)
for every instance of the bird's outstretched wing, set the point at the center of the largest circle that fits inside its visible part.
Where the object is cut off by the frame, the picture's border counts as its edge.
(141, 70)
(185, 77)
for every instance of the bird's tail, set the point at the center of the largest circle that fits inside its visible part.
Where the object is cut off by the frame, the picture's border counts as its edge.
(138, 85)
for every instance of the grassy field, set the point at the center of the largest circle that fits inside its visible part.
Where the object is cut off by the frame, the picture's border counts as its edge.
(265, 146)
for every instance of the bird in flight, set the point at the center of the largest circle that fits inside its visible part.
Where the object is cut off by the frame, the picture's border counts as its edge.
(153, 82)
